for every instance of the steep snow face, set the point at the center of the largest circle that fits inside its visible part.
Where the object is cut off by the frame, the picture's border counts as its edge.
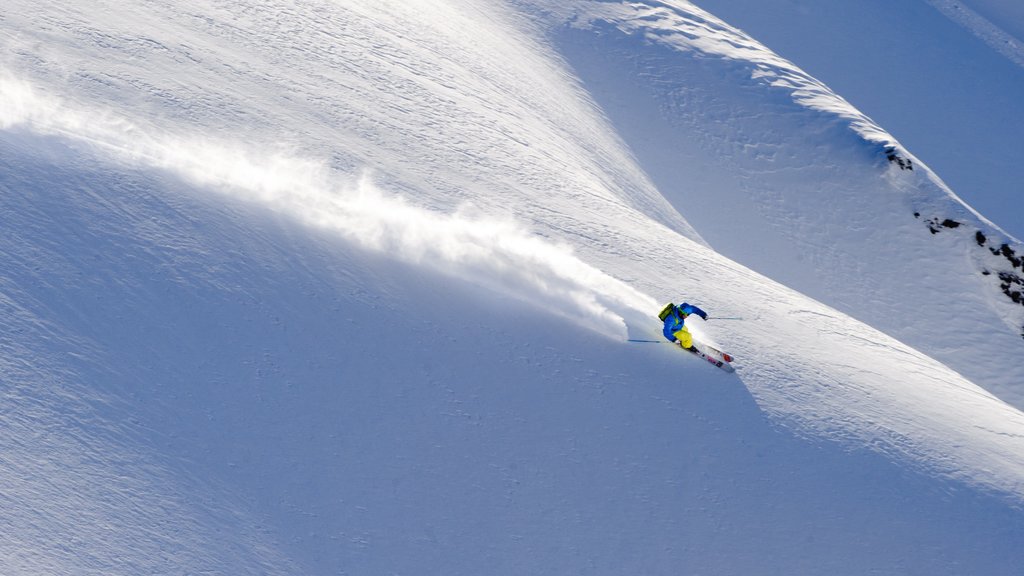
(893, 61)
(89, 486)
(782, 174)
(419, 92)
(279, 365)
(198, 383)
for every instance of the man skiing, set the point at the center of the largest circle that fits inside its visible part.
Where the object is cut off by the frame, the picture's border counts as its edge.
(675, 322)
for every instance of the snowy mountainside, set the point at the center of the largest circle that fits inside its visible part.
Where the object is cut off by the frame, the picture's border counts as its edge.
(288, 270)
(742, 140)
(315, 407)
(83, 493)
(344, 87)
(892, 60)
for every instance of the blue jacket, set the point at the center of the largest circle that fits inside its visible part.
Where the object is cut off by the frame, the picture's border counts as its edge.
(674, 322)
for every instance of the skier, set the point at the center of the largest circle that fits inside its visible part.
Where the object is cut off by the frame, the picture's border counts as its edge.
(675, 322)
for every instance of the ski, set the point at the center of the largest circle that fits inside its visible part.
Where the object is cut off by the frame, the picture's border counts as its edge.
(715, 357)
(712, 351)
(709, 353)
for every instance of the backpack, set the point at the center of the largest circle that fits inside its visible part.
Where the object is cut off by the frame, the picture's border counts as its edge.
(668, 309)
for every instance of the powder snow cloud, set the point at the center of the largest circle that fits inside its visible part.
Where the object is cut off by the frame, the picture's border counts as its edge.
(499, 253)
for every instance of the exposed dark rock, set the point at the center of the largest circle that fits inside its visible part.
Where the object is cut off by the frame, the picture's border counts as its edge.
(1012, 286)
(1010, 255)
(1010, 278)
(893, 157)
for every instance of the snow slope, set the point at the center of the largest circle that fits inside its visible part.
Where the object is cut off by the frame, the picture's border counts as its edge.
(777, 171)
(279, 283)
(952, 99)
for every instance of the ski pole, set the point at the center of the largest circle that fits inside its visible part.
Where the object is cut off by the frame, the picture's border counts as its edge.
(650, 341)
(724, 318)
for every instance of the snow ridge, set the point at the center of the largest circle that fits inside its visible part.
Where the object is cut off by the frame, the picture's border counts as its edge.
(684, 26)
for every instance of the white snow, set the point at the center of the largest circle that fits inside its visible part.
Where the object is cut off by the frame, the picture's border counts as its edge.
(740, 140)
(337, 287)
(906, 64)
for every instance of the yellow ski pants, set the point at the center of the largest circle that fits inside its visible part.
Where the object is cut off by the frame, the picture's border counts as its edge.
(684, 337)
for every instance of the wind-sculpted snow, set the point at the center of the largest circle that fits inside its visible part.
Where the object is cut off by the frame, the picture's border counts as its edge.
(497, 252)
(684, 26)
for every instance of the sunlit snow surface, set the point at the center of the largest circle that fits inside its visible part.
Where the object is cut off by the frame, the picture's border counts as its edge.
(344, 288)
(945, 76)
